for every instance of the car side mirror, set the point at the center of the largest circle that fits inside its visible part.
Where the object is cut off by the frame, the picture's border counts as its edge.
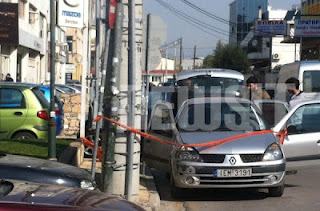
(292, 129)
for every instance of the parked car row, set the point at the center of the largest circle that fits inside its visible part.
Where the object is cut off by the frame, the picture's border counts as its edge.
(258, 160)
(24, 109)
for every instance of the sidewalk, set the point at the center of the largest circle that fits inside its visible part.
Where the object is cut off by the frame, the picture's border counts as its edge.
(148, 195)
(149, 198)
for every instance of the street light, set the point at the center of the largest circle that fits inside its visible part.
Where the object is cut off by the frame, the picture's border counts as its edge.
(52, 123)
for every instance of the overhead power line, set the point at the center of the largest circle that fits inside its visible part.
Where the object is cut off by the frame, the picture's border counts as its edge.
(195, 22)
(208, 13)
(222, 20)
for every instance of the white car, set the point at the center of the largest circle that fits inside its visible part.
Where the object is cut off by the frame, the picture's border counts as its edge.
(302, 144)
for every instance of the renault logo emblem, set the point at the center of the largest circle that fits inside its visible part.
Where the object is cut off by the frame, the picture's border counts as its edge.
(232, 161)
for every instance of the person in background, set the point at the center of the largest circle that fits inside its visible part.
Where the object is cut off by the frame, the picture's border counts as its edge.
(8, 77)
(296, 96)
(254, 92)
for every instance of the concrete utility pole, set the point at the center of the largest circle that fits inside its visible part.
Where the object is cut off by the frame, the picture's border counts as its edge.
(101, 92)
(112, 102)
(131, 95)
(52, 122)
(120, 185)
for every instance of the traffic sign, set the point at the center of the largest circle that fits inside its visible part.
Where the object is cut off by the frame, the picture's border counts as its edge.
(112, 13)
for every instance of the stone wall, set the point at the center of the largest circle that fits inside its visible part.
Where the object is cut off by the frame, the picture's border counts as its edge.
(72, 114)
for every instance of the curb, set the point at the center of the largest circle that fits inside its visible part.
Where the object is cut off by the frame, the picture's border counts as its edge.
(148, 195)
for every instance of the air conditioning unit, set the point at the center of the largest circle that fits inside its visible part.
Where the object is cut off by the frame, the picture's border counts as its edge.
(276, 56)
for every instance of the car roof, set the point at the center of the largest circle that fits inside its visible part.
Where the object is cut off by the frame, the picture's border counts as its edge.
(213, 72)
(217, 100)
(18, 84)
(306, 102)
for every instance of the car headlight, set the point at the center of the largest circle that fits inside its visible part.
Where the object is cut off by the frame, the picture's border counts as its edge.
(187, 154)
(273, 152)
(89, 185)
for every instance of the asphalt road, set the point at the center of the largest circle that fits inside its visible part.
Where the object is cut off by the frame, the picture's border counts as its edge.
(302, 192)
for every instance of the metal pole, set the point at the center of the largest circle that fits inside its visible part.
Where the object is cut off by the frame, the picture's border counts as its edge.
(295, 50)
(97, 61)
(194, 56)
(180, 68)
(270, 54)
(52, 123)
(131, 96)
(111, 101)
(166, 76)
(300, 50)
(100, 97)
(175, 58)
(147, 68)
(101, 93)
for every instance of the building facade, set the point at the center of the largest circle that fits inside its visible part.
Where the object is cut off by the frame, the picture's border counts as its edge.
(243, 13)
(74, 58)
(162, 73)
(27, 58)
(265, 50)
(310, 46)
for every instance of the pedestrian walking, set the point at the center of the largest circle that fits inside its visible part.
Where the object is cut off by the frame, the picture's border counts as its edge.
(253, 91)
(296, 96)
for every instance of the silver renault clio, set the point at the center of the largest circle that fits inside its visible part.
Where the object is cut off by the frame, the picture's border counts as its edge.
(242, 152)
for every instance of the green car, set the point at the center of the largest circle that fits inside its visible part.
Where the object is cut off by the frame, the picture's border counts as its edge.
(24, 112)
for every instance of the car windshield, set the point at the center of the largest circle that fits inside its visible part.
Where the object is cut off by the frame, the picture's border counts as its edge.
(66, 89)
(220, 117)
(208, 85)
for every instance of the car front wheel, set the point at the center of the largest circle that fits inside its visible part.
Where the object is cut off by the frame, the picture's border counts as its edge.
(24, 135)
(276, 191)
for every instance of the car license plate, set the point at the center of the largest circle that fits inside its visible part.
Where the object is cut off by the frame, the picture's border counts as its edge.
(232, 173)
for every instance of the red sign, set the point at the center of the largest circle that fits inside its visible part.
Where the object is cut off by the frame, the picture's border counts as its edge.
(112, 13)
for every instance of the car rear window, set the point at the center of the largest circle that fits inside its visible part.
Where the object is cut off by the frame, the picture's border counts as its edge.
(42, 99)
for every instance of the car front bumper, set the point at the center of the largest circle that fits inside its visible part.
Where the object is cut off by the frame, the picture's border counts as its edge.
(201, 175)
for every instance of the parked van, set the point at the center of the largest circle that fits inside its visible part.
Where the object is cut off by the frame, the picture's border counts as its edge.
(307, 72)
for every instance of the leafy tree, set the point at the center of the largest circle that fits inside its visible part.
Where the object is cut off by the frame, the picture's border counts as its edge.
(228, 56)
(208, 61)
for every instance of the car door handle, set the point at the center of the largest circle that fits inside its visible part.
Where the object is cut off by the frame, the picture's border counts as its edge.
(318, 142)
(18, 113)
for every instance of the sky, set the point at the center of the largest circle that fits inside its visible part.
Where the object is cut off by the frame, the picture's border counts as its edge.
(205, 42)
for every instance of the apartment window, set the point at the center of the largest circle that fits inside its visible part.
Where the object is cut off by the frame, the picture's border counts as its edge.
(68, 76)
(22, 8)
(70, 42)
(32, 14)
